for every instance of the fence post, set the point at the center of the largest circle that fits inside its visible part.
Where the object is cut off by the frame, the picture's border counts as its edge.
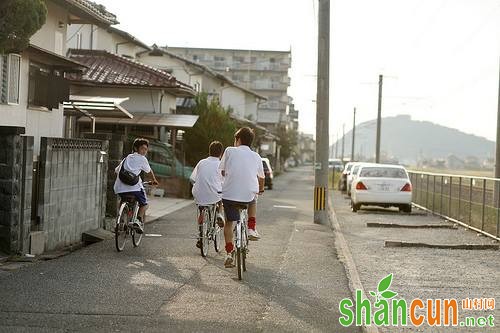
(484, 203)
(449, 199)
(427, 193)
(459, 198)
(441, 199)
(470, 200)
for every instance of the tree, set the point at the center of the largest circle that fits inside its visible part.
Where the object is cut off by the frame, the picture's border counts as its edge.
(19, 20)
(214, 123)
(287, 141)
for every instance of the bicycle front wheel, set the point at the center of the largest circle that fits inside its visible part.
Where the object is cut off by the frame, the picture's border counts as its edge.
(136, 237)
(121, 228)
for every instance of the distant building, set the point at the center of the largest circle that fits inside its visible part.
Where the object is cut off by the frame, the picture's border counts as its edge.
(265, 72)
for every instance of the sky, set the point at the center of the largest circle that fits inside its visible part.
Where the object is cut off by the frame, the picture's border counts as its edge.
(439, 58)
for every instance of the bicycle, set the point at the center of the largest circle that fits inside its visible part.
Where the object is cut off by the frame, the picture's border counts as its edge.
(127, 215)
(241, 240)
(209, 229)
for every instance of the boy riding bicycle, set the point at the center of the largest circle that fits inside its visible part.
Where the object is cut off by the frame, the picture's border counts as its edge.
(243, 179)
(207, 183)
(134, 164)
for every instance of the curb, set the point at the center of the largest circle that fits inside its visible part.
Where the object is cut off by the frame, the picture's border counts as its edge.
(392, 243)
(410, 226)
(345, 257)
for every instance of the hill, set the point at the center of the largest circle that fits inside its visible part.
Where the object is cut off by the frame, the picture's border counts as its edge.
(410, 141)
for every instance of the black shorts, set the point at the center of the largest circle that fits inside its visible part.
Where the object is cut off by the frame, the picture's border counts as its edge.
(232, 209)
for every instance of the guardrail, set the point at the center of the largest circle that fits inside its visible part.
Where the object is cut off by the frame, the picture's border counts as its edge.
(473, 202)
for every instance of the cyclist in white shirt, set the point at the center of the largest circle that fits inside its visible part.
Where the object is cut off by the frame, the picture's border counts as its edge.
(207, 182)
(243, 180)
(136, 162)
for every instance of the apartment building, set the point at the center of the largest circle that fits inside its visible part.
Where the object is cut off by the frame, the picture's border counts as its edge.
(265, 72)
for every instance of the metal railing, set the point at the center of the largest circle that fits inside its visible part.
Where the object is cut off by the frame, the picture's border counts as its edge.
(473, 202)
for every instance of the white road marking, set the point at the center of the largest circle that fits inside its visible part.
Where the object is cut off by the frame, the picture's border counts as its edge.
(153, 235)
(286, 207)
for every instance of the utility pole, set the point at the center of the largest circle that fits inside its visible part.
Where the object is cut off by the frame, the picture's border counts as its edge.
(353, 135)
(343, 141)
(322, 115)
(379, 118)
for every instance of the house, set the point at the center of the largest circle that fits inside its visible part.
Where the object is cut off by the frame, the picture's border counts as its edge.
(33, 83)
(242, 101)
(148, 94)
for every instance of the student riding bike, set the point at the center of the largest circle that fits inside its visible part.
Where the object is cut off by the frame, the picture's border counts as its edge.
(207, 183)
(128, 181)
(243, 179)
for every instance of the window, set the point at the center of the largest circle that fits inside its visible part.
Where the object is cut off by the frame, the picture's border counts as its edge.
(10, 68)
(195, 57)
(272, 60)
(238, 59)
(47, 87)
(218, 58)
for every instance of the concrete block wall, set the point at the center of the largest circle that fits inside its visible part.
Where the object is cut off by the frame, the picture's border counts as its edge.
(11, 146)
(70, 198)
(114, 157)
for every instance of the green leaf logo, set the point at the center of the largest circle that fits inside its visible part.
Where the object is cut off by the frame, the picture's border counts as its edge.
(383, 291)
(385, 283)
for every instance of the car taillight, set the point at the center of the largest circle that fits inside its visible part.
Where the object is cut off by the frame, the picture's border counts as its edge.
(406, 188)
(360, 186)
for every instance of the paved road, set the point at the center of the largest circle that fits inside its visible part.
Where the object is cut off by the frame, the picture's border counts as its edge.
(294, 281)
(421, 272)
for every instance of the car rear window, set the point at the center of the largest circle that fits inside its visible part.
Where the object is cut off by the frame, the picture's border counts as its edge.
(355, 169)
(348, 168)
(380, 172)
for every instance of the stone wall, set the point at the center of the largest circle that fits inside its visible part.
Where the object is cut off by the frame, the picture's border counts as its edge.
(11, 146)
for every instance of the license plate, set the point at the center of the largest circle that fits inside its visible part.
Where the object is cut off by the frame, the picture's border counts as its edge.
(384, 188)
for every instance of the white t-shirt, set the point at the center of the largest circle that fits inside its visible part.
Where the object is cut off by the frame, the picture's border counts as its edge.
(134, 163)
(207, 181)
(241, 166)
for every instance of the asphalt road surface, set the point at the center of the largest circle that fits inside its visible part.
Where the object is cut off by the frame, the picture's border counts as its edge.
(294, 280)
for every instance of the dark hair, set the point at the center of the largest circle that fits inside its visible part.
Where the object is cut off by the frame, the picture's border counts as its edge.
(139, 142)
(215, 149)
(246, 136)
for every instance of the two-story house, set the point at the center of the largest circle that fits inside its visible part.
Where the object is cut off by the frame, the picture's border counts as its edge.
(33, 83)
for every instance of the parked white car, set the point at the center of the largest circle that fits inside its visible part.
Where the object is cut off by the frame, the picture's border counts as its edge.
(352, 175)
(383, 185)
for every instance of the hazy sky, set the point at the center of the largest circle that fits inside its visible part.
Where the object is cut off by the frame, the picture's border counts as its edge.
(440, 58)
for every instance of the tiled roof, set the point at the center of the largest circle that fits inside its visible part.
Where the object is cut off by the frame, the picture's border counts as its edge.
(95, 10)
(110, 69)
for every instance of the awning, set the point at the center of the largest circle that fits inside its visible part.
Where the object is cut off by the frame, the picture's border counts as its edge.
(53, 59)
(96, 106)
(151, 119)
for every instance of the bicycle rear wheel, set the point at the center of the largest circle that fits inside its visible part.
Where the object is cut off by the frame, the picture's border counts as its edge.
(244, 248)
(121, 228)
(204, 233)
(239, 263)
(136, 237)
(217, 238)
